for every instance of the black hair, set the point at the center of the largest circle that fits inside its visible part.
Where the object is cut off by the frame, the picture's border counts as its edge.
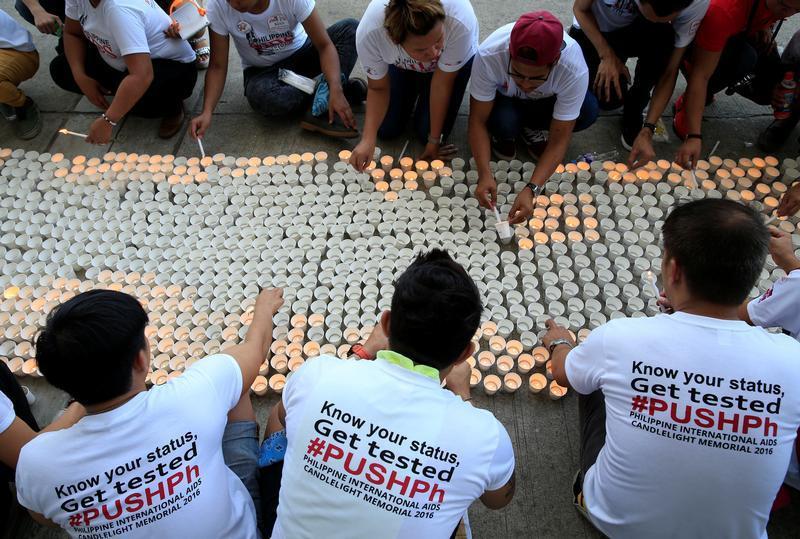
(436, 309)
(665, 8)
(720, 245)
(528, 53)
(89, 343)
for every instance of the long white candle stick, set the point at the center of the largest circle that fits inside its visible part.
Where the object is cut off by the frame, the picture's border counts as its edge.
(73, 133)
(714, 149)
(771, 220)
(202, 151)
(403, 151)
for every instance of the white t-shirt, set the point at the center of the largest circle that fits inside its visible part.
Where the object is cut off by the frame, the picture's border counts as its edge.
(151, 468)
(7, 413)
(13, 35)
(681, 458)
(122, 27)
(615, 14)
(568, 80)
(266, 38)
(377, 51)
(779, 306)
(376, 450)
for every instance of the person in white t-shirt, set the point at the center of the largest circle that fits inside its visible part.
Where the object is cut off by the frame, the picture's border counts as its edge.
(780, 307)
(379, 448)
(275, 35)
(529, 78)
(417, 55)
(18, 62)
(178, 460)
(657, 33)
(17, 428)
(119, 48)
(688, 419)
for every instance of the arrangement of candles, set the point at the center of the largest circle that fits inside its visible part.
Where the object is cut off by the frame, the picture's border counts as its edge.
(194, 240)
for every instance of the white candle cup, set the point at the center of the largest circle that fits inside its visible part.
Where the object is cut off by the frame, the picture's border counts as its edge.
(557, 391)
(540, 355)
(511, 382)
(475, 377)
(525, 363)
(277, 383)
(486, 360)
(504, 365)
(537, 382)
(491, 384)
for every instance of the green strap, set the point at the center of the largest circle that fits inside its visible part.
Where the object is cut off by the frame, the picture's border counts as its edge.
(402, 361)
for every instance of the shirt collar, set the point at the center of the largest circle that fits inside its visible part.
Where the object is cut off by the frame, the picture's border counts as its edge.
(402, 361)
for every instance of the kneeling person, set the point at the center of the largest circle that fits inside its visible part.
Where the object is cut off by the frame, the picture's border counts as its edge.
(528, 78)
(378, 448)
(271, 35)
(145, 463)
(119, 47)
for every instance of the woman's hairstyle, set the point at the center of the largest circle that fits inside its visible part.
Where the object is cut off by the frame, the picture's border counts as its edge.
(415, 17)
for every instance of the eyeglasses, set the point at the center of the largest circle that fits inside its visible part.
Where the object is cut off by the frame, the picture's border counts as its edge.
(522, 78)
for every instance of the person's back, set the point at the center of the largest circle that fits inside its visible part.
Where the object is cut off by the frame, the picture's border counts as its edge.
(701, 415)
(178, 460)
(688, 420)
(379, 448)
(152, 467)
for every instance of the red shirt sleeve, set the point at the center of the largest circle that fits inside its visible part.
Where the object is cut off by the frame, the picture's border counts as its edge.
(718, 25)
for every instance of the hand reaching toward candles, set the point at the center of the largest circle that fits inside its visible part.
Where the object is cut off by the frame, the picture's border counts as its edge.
(790, 202)
(433, 152)
(782, 250)
(99, 132)
(199, 125)
(486, 192)
(522, 209)
(93, 91)
(554, 331)
(362, 155)
(642, 151)
(269, 301)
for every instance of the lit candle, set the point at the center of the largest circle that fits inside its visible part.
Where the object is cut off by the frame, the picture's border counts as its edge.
(557, 391)
(537, 382)
(511, 382)
(491, 383)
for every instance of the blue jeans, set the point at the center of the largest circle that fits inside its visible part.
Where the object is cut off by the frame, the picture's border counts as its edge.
(271, 97)
(410, 88)
(240, 453)
(510, 114)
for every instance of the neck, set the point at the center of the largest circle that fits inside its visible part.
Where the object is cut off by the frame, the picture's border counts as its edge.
(260, 7)
(704, 308)
(112, 404)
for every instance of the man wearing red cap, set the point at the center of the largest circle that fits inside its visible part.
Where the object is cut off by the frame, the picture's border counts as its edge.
(529, 78)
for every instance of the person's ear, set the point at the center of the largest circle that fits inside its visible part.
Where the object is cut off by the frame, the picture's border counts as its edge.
(386, 317)
(142, 361)
(468, 351)
(674, 273)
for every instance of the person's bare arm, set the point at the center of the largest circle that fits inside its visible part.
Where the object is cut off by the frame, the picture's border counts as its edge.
(441, 92)
(744, 315)
(129, 92)
(552, 156)
(329, 61)
(642, 150)
(611, 70)
(45, 22)
(75, 46)
(558, 356)
(481, 145)
(12, 439)
(703, 65)
(216, 74)
(251, 353)
(497, 499)
(377, 104)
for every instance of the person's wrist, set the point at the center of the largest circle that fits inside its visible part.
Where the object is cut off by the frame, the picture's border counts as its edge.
(789, 264)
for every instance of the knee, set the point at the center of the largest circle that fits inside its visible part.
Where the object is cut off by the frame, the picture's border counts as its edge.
(589, 112)
(61, 73)
(272, 102)
(503, 126)
(390, 129)
(345, 28)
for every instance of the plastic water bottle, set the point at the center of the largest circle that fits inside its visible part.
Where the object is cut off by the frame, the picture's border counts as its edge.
(787, 91)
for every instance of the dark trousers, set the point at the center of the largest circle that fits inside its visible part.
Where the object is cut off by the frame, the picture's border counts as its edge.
(411, 88)
(11, 388)
(510, 114)
(651, 43)
(271, 97)
(172, 82)
(740, 58)
(592, 417)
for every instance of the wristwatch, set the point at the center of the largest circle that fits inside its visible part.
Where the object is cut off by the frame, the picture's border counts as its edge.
(559, 342)
(535, 189)
(436, 140)
(359, 351)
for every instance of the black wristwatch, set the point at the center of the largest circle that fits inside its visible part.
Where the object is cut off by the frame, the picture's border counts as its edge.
(651, 127)
(694, 135)
(535, 189)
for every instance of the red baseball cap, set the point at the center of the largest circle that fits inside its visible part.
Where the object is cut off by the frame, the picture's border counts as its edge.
(540, 31)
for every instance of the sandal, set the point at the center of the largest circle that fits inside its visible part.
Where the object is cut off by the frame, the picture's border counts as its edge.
(201, 50)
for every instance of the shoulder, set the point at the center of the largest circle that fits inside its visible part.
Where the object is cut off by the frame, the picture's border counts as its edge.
(720, 12)
(460, 11)
(496, 44)
(572, 55)
(130, 6)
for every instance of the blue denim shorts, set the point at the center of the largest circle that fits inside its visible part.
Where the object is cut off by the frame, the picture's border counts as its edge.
(240, 451)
